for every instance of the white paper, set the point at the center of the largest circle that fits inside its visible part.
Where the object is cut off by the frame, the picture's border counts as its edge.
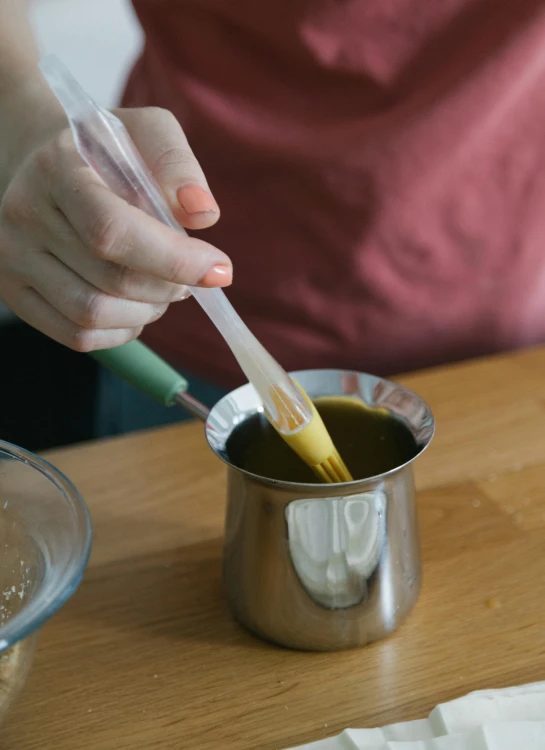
(529, 687)
(525, 735)
(406, 731)
(355, 739)
(507, 719)
(522, 703)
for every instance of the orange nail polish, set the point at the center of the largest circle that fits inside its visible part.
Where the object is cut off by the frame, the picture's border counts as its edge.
(194, 200)
(217, 276)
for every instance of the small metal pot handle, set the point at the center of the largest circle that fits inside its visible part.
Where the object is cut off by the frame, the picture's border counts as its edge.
(138, 365)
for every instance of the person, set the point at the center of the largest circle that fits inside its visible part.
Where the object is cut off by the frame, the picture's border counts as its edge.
(378, 166)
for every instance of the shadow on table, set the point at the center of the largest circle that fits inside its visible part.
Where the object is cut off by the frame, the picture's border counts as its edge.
(176, 595)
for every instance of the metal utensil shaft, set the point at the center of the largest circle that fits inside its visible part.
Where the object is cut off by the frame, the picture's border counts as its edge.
(192, 406)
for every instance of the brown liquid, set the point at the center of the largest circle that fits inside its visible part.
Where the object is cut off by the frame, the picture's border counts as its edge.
(370, 441)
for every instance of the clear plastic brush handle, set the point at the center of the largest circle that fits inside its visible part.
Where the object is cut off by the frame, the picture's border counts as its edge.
(104, 143)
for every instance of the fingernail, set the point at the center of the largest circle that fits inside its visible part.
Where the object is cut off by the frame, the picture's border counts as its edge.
(194, 200)
(217, 276)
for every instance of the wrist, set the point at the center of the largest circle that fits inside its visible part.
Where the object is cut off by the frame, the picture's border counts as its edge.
(30, 116)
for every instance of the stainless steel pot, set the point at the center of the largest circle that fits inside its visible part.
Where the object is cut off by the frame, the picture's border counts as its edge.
(308, 566)
(322, 567)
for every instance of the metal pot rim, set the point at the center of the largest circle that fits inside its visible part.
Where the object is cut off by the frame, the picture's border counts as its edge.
(243, 402)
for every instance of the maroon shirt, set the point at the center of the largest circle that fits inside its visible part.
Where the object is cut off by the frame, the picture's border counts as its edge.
(380, 169)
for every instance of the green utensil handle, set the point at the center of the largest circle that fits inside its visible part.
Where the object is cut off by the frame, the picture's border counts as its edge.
(142, 368)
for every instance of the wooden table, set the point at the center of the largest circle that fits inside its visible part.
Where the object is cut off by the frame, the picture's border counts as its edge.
(146, 654)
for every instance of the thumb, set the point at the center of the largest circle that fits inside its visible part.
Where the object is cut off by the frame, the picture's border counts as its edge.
(162, 144)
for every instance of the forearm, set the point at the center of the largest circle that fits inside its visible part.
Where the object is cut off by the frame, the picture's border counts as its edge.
(27, 107)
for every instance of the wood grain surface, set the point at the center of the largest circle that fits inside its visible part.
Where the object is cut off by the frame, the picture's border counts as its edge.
(146, 654)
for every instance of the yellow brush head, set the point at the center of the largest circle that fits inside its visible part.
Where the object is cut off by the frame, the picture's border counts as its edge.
(311, 442)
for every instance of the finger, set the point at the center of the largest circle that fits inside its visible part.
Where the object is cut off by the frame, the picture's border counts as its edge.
(31, 210)
(83, 303)
(163, 145)
(114, 231)
(31, 307)
(111, 278)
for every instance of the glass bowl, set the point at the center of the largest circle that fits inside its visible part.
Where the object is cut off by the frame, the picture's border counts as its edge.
(45, 540)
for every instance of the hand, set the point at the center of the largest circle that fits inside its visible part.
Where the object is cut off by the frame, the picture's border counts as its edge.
(84, 267)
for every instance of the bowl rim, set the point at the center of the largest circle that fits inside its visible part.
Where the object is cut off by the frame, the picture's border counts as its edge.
(47, 603)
